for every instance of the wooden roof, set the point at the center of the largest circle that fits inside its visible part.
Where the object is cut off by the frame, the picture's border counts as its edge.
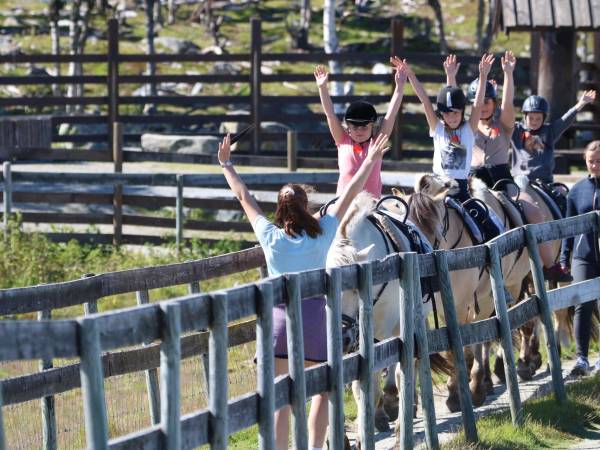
(529, 15)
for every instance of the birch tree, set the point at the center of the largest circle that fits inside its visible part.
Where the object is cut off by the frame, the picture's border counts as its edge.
(151, 69)
(79, 30)
(437, 9)
(330, 42)
(55, 7)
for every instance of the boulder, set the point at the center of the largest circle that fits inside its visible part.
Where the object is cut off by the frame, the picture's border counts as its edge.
(8, 46)
(184, 144)
(177, 45)
(381, 69)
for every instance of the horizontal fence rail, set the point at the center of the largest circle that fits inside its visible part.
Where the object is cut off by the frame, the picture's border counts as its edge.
(164, 322)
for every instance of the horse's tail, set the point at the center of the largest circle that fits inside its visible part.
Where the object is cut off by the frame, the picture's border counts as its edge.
(440, 365)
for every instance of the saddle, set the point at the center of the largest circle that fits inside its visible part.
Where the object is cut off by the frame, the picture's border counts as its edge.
(482, 223)
(552, 196)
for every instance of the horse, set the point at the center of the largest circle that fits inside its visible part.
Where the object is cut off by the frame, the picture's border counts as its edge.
(356, 231)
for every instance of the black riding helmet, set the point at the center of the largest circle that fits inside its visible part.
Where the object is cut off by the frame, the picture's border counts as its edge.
(490, 90)
(450, 98)
(360, 113)
(536, 103)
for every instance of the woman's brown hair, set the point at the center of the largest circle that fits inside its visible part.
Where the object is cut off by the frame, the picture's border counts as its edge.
(593, 146)
(292, 212)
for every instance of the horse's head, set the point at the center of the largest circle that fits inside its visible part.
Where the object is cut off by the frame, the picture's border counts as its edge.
(342, 253)
(433, 185)
(426, 211)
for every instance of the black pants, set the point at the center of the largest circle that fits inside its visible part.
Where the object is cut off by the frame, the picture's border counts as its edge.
(583, 270)
(490, 175)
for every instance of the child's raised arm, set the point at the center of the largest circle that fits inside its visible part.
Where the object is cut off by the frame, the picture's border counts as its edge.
(335, 126)
(400, 75)
(451, 66)
(485, 65)
(432, 119)
(507, 110)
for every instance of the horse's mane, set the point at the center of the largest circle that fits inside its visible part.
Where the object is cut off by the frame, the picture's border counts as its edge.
(341, 253)
(360, 208)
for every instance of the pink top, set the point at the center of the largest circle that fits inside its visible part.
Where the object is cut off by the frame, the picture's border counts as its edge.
(350, 157)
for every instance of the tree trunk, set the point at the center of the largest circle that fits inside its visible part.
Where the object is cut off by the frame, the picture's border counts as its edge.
(55, 39)
(330, 43)
(158, 15)
(151, 68)
(479, 26)
(486, 40)
(302, 40)
(171, 13)
(534, 64)
(75, 36)
(558, 81)
(437, 9)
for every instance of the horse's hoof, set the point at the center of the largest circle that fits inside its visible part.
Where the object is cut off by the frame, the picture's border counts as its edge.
(382, 423)
(453, 403)
(536, 361)
(524, 371)
(478, 395)
(489, 386)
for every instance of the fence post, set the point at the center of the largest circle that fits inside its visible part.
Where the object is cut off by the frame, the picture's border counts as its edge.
(143, 298)
(441, 262)
(295, 348)
(113, 81)
(47, 403)
(292, 151)
(265, 366)
(2, 437)
(427, 403)
(217, 352)
(406, 389)
(7, 201)
(179, 213)
(170, 363)
(397, 47)
(516, 410)
(92, 385)
(255, 79)
(334, 358)
(366, 429)
(545, 313)
(194, 288)
(90, 307)
(117, 187)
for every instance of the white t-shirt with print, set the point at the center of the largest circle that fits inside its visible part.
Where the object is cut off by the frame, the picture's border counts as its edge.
(452, 151)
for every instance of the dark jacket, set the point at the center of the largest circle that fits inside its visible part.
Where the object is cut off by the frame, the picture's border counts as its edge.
(583, 197)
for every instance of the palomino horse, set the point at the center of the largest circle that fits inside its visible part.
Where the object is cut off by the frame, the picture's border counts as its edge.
(357, 232)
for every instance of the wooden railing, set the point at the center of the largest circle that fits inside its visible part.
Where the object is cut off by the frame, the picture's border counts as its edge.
(113, 103)
(88, 337)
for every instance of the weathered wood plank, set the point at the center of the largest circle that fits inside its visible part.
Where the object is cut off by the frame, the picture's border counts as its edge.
(295, 351)
(92, 385)
(480, 331)
(509, 14)
(427, 265)
(523, 13)
(574, 294)
(407, 330)
(151, 375)
(131, 326)
(366, 429)
(265, 367)
(170, 377)
(595, 12)
(334, 358)
(422, 352)
(456, 344)
(47, 403)
(560, 229)
(218, 381)
(543, 16)
(562, 13)
(522, 312)
(2, 437)
(465, 258)
(516, 409)
(147, 439)
(438, 340)
(47, 339)
(510, 241)
(581, 13)
(59, 295)
(351, 363)
(545, 315)
(387, 352)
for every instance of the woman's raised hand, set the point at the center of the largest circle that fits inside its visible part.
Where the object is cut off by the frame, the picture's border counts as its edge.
(377, 146)
(451, 65)
(485, 65)
(224, 149)
(508, 62)
(321, 76)
(400, 71)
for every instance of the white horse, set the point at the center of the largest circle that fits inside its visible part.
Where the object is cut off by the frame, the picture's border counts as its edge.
(357, 232)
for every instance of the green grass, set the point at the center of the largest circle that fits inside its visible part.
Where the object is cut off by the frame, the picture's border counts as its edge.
(548, 424)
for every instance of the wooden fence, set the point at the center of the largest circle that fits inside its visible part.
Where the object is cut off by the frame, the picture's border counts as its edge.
(120, 66)
(93, 337)
(25, 191)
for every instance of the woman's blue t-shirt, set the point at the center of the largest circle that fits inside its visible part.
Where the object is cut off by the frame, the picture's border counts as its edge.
(285, 254)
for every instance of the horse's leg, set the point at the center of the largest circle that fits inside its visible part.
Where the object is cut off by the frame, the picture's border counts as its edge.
(535, 357)
(453, 401)
(561, 328)
(524, 369)
(390, 393)
(487, 373)
(477, 385)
